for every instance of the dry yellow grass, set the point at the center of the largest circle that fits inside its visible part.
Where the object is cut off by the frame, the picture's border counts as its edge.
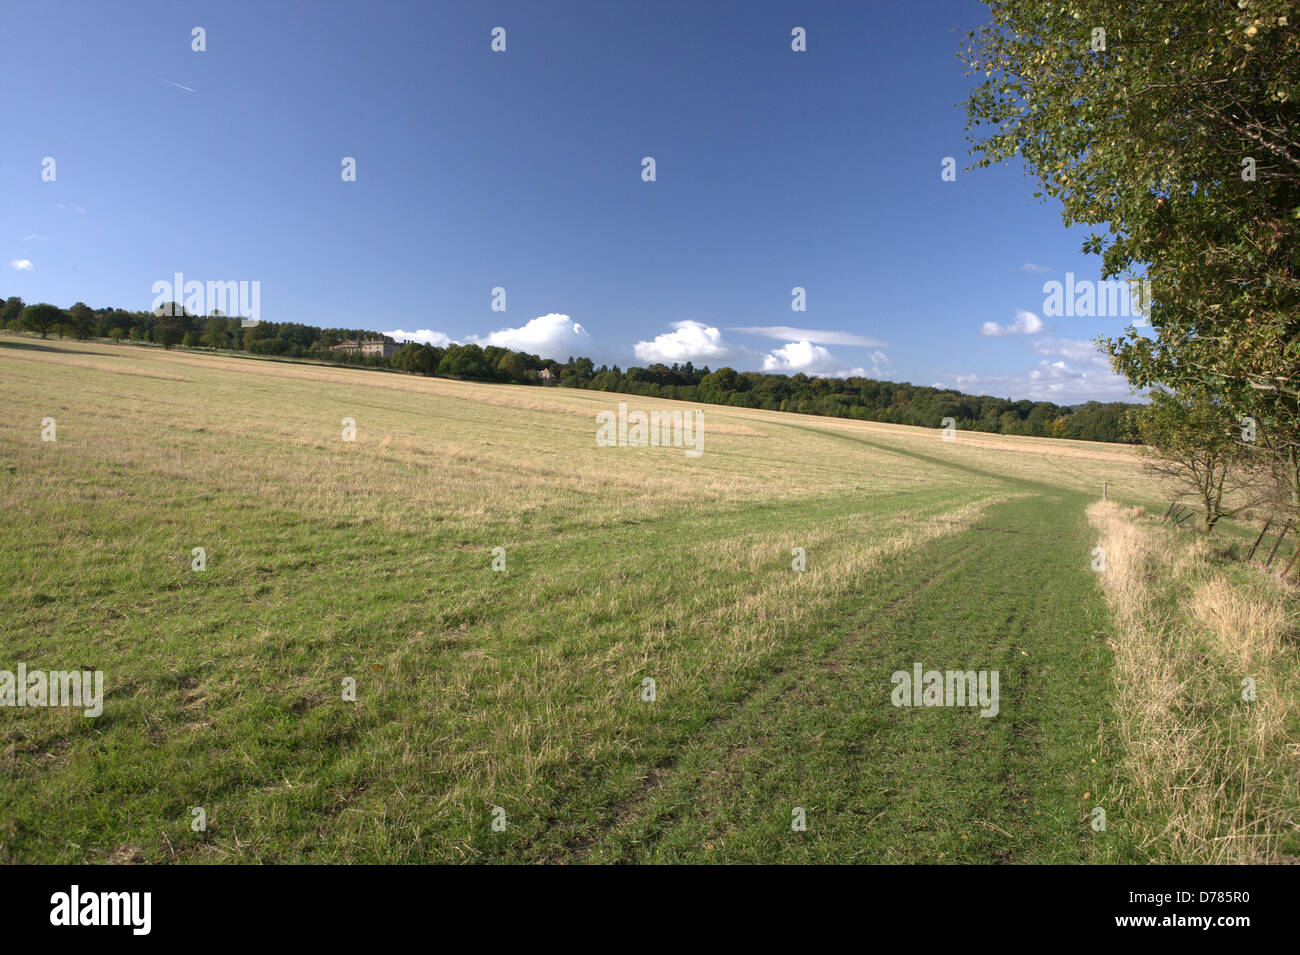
(1213, 776)
(492, 451)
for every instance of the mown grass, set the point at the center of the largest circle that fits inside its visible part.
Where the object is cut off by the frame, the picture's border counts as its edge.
(880, 783)
(371, 560)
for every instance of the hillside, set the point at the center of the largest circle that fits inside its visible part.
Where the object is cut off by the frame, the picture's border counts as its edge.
(476, 690)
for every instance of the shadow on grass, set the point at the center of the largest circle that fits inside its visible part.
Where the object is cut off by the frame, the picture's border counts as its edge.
(30, 346)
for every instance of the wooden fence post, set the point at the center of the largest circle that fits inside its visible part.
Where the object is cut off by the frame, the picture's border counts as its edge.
(1277, 543)
(1286, 572)
(1259, 538)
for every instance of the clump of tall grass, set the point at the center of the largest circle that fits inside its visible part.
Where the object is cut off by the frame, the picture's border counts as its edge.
(1210, 776)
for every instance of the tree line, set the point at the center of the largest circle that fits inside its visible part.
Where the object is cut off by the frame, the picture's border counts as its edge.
(864, 399)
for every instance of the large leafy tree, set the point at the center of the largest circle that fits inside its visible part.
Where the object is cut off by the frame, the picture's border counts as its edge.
(42, 317)
(1178, 130)
(80, 321)
(216, 332)
(464, 361)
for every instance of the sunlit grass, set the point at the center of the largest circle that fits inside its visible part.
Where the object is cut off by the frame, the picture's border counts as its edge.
(370, 560)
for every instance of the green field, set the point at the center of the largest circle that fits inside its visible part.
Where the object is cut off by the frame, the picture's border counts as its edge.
(371, 560)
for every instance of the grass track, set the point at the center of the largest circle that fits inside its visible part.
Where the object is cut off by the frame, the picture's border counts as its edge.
(918, 785)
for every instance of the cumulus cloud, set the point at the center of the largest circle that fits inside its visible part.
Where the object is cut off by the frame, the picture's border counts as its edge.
(1031, 267)
(1078, 373)
(810, 359)
(424, 336)
(703, 344)
(815, 335)
(688, 341)
(1026, 323)
(21, 265)
(1064, 383)
(798, 356)
(550, 336)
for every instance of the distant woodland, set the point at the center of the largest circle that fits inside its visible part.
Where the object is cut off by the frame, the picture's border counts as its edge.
(865, 399)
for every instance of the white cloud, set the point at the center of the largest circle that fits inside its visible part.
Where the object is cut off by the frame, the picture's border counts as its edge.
(1079, 373)
(1065, 384)
(1031, 267)
(1026, 323)
(72, 207)
(810, 359)
(33, 237)
(814, 335)
(703, 344)
(424, 336)
(550, 336)
(1073, 349)
(688, 341)
(21, 265)
(798, 356)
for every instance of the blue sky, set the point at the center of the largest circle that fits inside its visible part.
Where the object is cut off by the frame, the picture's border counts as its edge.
(523, 170)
